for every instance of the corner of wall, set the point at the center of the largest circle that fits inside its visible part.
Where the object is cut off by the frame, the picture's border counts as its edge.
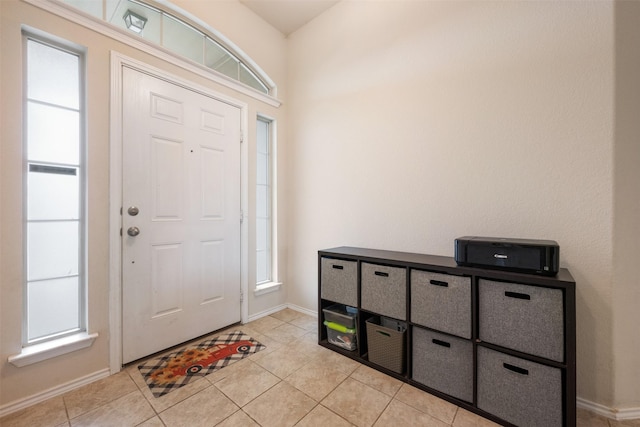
(626, 193)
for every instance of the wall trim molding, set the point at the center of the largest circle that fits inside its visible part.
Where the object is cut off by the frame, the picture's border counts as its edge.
(282, 307)
(50, 349)
(303, 310)
(605, 411)
(265, 313)
(58, 390)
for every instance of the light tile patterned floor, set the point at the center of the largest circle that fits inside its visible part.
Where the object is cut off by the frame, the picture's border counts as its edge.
(311, 386)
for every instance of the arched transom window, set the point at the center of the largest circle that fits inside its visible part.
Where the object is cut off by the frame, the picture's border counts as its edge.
(175, 34)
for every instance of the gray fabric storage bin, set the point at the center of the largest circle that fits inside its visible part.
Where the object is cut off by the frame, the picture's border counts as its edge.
(443, 362)
(339, 281)
(526, 318)
(386, 346)
(442, 302)
(384, 290)
(519, 391)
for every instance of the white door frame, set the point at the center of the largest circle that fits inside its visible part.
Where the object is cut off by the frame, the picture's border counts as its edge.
(118, 61)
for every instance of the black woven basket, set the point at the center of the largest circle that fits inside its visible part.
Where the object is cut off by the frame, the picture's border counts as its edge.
(386, 345)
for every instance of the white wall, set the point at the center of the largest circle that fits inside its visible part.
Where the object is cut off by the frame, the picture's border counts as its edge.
(413, 123)
(257, 39)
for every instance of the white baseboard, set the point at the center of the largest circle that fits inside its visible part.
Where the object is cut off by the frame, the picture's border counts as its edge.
(19, 404)
(266, 312)
(282, 307)
(303, 310)
(605, 411)
(628, 414)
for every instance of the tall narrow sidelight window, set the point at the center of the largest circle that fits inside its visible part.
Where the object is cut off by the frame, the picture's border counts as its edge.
(264, 208)
(54, 186)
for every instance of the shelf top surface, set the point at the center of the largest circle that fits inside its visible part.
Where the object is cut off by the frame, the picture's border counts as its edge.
(442, 262)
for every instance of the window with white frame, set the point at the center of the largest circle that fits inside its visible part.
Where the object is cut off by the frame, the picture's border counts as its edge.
(264, 203)
(175, 34)
(54, 112)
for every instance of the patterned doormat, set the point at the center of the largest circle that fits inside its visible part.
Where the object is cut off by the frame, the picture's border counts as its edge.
(175, 370)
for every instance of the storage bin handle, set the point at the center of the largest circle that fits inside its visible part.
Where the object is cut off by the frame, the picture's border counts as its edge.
(439, 283)
(381, 273)
(338, 267)
(442, 343)
(515, 369)
(383, 333)
(517, 295)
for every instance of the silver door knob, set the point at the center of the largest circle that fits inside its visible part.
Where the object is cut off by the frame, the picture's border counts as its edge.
(133, 231)
(133, 211)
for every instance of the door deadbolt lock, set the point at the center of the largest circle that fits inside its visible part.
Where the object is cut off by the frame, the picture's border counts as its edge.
(133, 211)
(133, 231)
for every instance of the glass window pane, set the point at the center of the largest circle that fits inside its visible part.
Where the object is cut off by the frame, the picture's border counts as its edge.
(262, 201)
(228, 67)
(220, 60)
(53, 195)
(53, 141)
(52, 250)
(263, 204)
(153, 27)
(92, 7)
(248, 78)
(263, 266)
(262, 234)
(53, 134)
(182, 39)
(263, 169)
(214, 54)
(110, 8)
(53, 307)
(263, 137)
(48, 65)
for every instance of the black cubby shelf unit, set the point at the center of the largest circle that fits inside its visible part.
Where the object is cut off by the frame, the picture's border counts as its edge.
(497, 343)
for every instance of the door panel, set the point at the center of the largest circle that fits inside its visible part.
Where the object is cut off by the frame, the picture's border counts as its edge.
(166, 280)
(181, 170)
(167, 171)
(212, 184)
(212, 262)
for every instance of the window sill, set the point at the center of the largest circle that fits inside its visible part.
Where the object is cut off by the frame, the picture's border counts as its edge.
(266, 288)
(39, 352)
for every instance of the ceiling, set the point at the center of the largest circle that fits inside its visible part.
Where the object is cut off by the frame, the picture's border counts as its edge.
(288, 15)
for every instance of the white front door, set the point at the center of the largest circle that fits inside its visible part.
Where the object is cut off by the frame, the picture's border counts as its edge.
(180, 216)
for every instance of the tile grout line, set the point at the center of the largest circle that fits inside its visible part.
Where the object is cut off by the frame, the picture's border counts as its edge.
(388, 403)
(147, 400)
(453, 421)
(66, 410)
